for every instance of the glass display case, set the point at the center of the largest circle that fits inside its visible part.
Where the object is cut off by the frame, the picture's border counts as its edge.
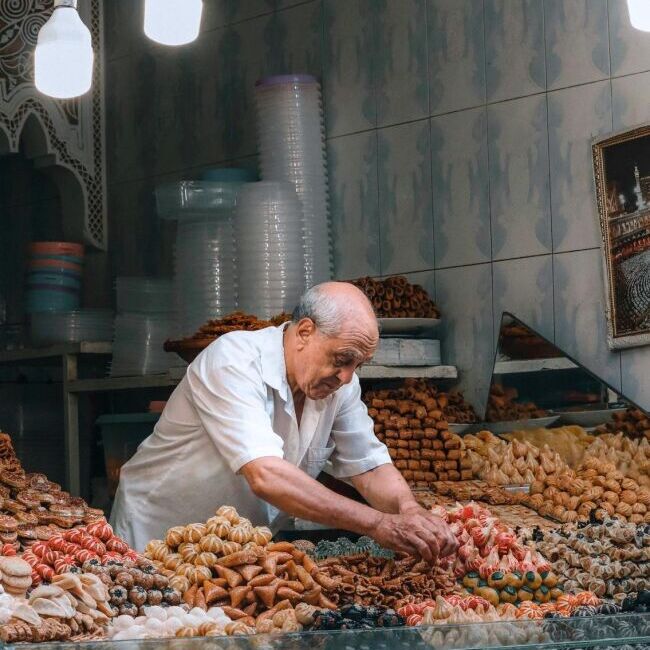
(624, 632)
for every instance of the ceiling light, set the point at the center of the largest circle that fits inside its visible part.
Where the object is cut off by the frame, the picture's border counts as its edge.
(63, 59)
(172, 22)
(639, 14)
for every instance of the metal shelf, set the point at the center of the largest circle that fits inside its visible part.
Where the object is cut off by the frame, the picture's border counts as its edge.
(533, 365)
(102, 384)
(59, 350)
(404, 372)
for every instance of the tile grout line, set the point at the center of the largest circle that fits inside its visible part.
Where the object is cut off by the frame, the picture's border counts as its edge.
(550, 185)
(489, 183)
(432, 207)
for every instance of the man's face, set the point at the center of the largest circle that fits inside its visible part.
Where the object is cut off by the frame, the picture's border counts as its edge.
(326, 363)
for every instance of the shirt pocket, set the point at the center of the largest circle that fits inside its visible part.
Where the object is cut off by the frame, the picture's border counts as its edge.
(316, 458)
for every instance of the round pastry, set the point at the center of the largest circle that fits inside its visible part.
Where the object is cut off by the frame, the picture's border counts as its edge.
(211, 543)
(533, 580)
(154, 597)
(509, 595)
(13, 478)
(230, 547)
(543, 594)
(205, 559)
(262, 535)
(189, 551)
(194, 532)
(628, 496)
(180, 583)
(224, 511)
(496, 580)
(8, 524)
(173, 561)
(219, 526)
(240, 534)
(471, 580)
(138, 595)
(174, 536)
(125, 579)
(171, 596)
(118, 595)
(525, 593)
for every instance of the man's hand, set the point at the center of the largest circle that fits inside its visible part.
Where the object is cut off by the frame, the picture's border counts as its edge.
(417, 532)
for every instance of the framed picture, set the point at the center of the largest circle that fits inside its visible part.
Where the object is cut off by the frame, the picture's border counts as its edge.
(622, 174)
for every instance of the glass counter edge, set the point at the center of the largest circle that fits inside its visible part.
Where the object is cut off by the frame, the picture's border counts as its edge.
(400, 637)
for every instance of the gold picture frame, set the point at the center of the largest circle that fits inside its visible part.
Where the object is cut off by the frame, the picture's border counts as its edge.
(622, 177)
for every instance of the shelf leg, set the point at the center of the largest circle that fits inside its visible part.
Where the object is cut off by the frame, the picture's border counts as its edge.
(71, 416)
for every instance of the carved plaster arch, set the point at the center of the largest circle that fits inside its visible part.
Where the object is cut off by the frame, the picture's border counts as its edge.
(65, 138)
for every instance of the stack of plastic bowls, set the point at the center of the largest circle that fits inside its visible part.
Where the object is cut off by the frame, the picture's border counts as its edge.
(54, 272)
(144, 295)
(205, 265)
(145, 320)
(73, 326)
(292, 148)
(270, 248)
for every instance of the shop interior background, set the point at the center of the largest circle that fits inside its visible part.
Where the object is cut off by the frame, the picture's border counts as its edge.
(458, 141)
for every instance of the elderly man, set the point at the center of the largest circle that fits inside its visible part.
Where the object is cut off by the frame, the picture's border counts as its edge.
(258, 416)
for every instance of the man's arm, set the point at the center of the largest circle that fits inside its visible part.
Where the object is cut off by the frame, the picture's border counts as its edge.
(385, 489)
(291, 490)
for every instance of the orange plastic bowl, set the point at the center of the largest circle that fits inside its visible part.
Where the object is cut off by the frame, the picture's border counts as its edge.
(56, 248)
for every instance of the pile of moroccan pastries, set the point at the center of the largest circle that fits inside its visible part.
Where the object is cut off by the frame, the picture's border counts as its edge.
(509, 463)
(611, 559)
(503, 407)
(396, 297)
(597, 489)
(72, 604)
(632, 422)
(630, 456)
(411, 423)
(32, 507)
(226, 562)
(237, 321)
(492, 561)
(570, 442)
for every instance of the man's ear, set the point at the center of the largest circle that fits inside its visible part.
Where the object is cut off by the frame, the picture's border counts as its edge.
(305, 329)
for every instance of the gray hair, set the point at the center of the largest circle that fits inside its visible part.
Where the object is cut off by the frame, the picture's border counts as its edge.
(324, 310)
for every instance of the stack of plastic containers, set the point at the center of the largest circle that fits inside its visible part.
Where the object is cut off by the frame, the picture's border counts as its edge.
(54, 272)
(71, 326)
(205, 265)
(270, 248)
(144, 321)
(292, 149)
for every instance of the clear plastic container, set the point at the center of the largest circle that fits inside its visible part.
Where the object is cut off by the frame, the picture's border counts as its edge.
(145, 295)
(73, 326)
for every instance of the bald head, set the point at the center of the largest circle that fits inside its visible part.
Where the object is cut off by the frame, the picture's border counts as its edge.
(334, 330)
(335, 307)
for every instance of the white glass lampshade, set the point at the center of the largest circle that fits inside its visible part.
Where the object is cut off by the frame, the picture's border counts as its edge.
(172, 22)
(63, 59)
(639, 14)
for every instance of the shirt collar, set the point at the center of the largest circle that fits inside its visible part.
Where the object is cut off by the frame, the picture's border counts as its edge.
(274, 369)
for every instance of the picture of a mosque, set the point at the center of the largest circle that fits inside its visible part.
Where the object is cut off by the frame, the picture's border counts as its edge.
(628, 212)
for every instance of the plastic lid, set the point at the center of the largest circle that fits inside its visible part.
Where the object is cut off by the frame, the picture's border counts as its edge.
(278, 79)
(229, 175)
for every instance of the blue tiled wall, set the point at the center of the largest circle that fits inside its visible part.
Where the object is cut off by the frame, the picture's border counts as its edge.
(458, 140)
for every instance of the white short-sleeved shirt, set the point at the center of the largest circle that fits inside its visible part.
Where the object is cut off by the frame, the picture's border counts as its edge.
(234, 405)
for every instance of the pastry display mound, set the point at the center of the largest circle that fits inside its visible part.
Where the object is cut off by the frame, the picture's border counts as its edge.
(633, 422)
(503, 407)
(229, 563)
(189, 348)
(499, 462)
(410, 420)
(396, 297)
(611, 559)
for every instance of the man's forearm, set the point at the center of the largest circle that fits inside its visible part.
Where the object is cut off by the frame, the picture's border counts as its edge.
(296, 493)
(385, 489)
